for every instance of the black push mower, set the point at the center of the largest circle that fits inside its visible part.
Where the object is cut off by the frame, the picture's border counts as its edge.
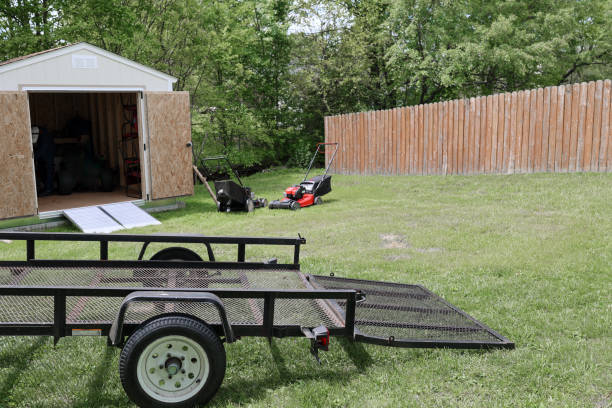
(232, 196)
(308, 192)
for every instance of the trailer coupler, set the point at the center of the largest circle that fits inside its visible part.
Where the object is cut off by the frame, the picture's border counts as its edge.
(319, 340)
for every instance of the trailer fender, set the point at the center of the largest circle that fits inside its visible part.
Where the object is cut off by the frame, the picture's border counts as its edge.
(115, 334)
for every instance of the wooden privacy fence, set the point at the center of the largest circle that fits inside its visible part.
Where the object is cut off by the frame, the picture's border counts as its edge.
(556, 129)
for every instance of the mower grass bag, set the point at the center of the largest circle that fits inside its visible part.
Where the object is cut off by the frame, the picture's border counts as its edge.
(232, 196)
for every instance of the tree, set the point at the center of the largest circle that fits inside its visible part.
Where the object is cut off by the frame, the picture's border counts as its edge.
(28, 26)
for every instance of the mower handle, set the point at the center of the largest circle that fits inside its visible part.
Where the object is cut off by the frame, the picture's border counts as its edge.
(319, 150)
(224, 157)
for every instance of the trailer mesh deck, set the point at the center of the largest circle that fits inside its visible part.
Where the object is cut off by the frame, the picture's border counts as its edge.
(391, 312)
(92, 309)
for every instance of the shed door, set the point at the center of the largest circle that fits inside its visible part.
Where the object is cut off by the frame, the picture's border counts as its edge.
(17, 181)
(169, 124)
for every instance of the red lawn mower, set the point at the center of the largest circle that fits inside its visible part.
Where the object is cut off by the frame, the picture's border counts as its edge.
(308, 192)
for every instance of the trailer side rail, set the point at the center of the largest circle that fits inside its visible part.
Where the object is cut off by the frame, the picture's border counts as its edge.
(104, 239)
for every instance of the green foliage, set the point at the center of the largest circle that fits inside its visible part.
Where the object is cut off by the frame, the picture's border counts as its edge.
(301, 155)
(235, 132)
(270, 70)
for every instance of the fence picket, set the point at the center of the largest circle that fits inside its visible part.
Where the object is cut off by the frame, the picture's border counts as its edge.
(562, 128)
(552, 129)
(588, 128)
(537, 141)
(494, 120)
(605, 151)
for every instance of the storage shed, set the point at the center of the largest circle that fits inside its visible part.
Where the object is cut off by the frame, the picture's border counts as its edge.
(114, 129)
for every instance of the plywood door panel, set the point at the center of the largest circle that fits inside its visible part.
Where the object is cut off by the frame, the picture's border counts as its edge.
(17, 182)
(169, 126)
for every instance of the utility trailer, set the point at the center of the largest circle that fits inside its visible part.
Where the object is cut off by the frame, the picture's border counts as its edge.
(171, 314)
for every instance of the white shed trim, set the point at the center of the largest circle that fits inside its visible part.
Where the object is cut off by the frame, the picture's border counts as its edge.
(91, 48)
(100, 89)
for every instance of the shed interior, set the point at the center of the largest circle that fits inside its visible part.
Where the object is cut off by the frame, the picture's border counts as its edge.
(87, 150)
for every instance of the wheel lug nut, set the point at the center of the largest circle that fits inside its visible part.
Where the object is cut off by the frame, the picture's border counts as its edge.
(182, 358)
(183, 371)
(161, 366)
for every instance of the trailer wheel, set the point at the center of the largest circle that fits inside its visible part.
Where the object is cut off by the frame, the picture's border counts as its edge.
(176, 254)
(173, 361)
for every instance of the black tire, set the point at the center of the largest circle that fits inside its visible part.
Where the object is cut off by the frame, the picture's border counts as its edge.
(294, 206)
(176, 254)
(171, 327)
(318, 201)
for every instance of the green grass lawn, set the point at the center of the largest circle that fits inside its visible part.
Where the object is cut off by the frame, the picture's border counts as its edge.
(528, 255)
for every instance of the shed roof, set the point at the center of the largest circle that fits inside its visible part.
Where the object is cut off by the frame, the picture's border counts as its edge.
(10, 61)
(40, 56)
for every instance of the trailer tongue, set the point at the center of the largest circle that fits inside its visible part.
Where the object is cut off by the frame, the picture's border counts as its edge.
(171, 317)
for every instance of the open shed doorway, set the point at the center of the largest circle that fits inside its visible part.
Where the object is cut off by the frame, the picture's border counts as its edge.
(88, 148)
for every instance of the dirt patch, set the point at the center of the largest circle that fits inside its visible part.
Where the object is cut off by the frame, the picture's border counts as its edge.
(428, 250)
(604, 402)
(397, 257)
(395, 241)
(391, 241)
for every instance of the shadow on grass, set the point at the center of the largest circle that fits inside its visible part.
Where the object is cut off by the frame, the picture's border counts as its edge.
(357, 353)
(248, 390)
(19, 361)
(102, 374)
(279, 360)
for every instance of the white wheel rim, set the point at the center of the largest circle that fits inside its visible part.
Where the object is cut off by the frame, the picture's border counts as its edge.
(173, 369)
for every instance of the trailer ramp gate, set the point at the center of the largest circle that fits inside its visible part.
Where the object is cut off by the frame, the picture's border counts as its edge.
(392, 314)
(404, 315)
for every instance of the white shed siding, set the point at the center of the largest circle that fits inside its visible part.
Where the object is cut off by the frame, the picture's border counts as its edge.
(55, 70)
